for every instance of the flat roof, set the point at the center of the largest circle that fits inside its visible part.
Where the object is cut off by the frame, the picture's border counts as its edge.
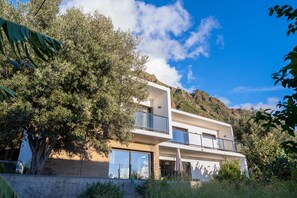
(200, 117)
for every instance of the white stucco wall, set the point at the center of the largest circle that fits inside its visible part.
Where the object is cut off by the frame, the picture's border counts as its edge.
(204, 170)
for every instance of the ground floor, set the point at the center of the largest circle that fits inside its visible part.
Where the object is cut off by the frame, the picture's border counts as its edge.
(139, 161)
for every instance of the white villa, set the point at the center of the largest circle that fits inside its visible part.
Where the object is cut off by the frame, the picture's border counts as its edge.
(204, 145)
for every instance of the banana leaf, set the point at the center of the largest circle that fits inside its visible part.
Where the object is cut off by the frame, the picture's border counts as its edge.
(6, 190)
(24, 41)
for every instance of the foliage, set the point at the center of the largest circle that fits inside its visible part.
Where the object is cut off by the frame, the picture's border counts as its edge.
(19, 45)
(286, 117)
(84, 97)
(243, 125)
(261, 149)
(224, 189)
(103, 190)
(230, 171)
(2, 168)
(6, 190)
(23, 41)
(282, 168)
(151, 188)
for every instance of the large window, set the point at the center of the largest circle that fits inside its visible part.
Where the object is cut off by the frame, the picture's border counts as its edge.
(126, 164)
(180, 136)
(167, 170)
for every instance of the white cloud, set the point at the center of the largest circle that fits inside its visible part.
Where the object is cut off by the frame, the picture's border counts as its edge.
(190, 75)
(220, 41)
(242, 89)
(271, 103)
(164, 31)
(162, 70)
(190, 89)
(198, 41)
(122, 12)
(226, 101)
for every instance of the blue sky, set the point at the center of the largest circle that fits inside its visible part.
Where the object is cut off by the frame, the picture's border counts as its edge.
(228, 48)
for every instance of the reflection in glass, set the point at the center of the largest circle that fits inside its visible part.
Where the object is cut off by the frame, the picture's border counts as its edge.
(180, 136)
(119, 164)
(140, 165)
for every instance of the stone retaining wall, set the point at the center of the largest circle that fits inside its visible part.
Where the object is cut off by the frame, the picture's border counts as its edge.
(42, 186)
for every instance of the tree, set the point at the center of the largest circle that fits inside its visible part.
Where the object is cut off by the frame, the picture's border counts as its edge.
(261, 150)
(260, 147)
(19, 45)
(22, 41)
(286, 117)
(84, 97)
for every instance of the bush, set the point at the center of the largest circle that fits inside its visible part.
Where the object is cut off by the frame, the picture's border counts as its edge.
(281, 168)
(222, 189)
(2, 168)
(103, 190)
(230, 171)
(152, 188)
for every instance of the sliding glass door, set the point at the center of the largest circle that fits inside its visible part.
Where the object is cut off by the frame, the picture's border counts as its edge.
(125, 164)
(119, 164)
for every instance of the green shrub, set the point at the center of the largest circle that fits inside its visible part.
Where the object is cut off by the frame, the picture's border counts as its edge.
(103, 190)
(222, 189)
(230, 171)
(281, 168)
(151, 188)
(2, 168)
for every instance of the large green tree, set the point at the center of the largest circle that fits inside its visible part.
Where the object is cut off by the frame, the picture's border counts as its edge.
(84, 97)
(19, 45)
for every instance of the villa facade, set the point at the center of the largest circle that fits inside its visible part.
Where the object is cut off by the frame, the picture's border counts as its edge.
(204, 145)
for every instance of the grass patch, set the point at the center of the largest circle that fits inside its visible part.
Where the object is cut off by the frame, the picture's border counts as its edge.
(223, 189)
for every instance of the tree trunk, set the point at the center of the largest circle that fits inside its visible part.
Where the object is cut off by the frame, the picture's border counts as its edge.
(41, 149)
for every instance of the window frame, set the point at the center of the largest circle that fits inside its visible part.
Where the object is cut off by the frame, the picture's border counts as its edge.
(150, 161)
(185, 135)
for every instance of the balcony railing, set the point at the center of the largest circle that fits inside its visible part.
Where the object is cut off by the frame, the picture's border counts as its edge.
(198, 140)
(151, 122)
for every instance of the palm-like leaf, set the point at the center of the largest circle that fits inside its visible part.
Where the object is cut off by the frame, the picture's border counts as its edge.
(6, 93)
(23, 41)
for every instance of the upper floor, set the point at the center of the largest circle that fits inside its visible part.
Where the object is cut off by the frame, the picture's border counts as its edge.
(156, 122)
(153, 118)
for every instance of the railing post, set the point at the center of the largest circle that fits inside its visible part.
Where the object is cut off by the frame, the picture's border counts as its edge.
(201, 141)
(234, 146)
(223, 144)
(212, 143)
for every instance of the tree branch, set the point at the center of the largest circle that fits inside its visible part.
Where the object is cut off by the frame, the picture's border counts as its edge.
(39, 7)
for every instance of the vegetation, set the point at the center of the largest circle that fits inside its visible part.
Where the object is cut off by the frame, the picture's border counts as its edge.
(82, 98)
(237, 189)
(103, 190)
(18, 45)
(2, 168)
(22, 41)
(6, 190)
(286, 117)
(230, 171)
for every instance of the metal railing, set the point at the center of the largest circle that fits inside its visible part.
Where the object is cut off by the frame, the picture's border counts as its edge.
(198, 140)
(151, 122)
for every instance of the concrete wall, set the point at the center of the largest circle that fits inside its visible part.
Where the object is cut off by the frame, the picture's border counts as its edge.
(29, 186)
(204, 170)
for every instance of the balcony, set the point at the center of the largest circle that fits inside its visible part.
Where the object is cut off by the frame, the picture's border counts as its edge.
(151, 122)
(192, 139)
